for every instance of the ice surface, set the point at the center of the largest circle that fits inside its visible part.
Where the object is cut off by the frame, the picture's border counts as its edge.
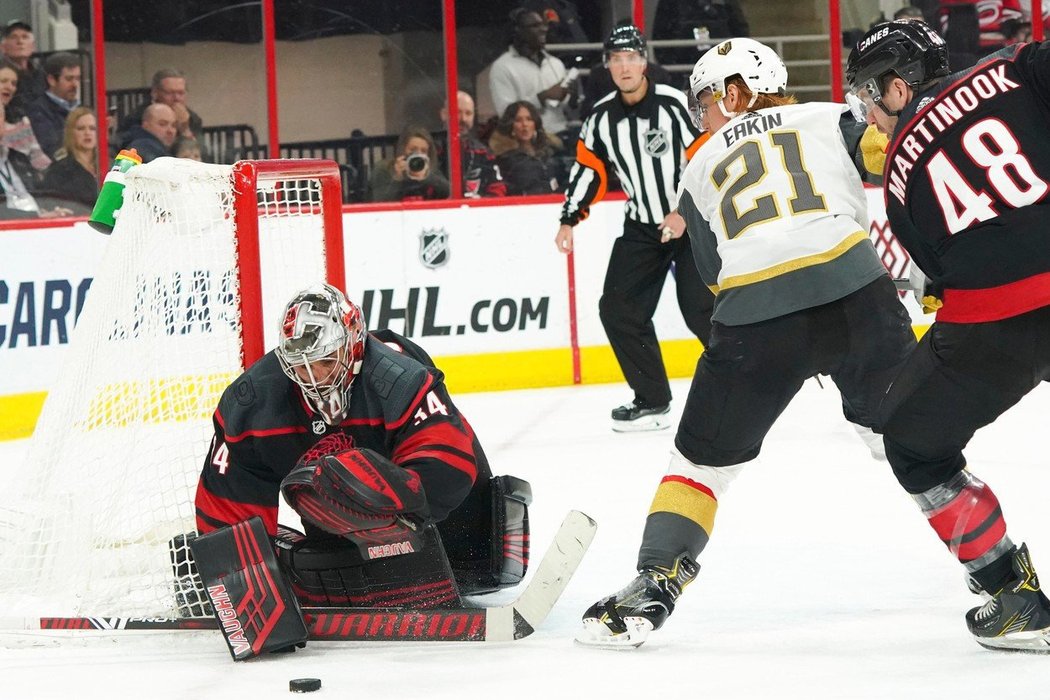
(822, 580)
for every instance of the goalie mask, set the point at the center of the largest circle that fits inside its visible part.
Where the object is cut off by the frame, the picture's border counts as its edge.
(321, 347)
(759, 66)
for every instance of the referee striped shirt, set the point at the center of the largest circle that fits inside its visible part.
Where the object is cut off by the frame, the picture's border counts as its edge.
(646, 144)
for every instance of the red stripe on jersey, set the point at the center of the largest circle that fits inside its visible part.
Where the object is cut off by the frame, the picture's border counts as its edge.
(216, 509)
(437, 434)
(284, 430)
(414, 403)
(690, 483)
(995, 303)
(457, 462)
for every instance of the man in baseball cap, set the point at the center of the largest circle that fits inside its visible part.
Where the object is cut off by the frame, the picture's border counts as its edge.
(17, 45)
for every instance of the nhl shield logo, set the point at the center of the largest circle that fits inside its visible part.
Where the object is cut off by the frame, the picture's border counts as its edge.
(656, 142)
(319, 427)
(433, 247)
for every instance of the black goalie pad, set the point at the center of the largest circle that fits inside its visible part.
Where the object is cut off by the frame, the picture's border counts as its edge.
(250, 595)
(328, 571)
(488, 540)
(362, 496)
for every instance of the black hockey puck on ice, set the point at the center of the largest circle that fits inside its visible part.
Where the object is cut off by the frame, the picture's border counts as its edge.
(304, 685)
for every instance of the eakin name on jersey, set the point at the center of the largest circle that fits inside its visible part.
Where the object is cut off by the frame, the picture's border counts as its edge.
(777, 215)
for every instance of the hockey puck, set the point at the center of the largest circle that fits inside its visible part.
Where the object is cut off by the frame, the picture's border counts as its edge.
(304, 685)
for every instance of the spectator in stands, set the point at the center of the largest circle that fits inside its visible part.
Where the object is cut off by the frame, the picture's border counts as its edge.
(8, 88)
(699, 20)
(73, 175)
(156, 135)
(1016, 31)
(18, 45)
(480, 174)
(957, 17)
(525, 152)
(48, 112)
(187, 147)
(167, 87)
(909, 12)
(562, 18)
(527, 72)
(18, 182)
(412, 173)
(15, 131)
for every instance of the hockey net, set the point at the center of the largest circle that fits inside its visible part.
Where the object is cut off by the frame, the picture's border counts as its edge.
(202, 259)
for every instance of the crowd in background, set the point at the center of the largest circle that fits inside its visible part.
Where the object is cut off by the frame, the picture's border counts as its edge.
(531, 102)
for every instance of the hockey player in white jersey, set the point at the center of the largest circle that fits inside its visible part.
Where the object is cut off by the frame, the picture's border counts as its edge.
(776, 214)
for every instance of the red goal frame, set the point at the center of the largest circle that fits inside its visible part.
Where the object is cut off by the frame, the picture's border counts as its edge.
(247, 174)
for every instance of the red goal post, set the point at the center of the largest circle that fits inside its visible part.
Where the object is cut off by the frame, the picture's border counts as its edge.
(247, 174)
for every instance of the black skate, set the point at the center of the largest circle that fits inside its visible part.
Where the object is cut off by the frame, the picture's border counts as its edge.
(634, 417)
(1017, 618)
(626, 618)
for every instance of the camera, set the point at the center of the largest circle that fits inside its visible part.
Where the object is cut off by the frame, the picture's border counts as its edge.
(417, 162)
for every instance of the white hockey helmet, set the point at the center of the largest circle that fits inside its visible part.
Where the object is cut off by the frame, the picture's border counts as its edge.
(319, 324)
(759, 66)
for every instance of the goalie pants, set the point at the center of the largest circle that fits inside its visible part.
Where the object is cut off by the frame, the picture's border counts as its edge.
(635, 278)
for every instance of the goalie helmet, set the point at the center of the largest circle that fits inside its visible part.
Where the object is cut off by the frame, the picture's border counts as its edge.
(321, 345)
(759, 66)
(909, 49)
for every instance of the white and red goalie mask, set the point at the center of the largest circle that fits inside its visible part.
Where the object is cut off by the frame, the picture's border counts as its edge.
(321, 347)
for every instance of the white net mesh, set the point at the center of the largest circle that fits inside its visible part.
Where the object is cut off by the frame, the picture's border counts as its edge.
(113, 464)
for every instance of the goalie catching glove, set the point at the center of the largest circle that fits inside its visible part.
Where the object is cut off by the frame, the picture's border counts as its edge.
(362, 496)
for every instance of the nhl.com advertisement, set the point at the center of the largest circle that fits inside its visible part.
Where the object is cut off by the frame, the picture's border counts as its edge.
(461, 281)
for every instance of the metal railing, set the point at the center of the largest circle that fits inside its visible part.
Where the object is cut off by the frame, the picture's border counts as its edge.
(777, 43)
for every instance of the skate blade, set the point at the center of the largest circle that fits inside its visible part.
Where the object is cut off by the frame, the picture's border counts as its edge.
(596, 634)
(1034, 642)
(643, 424)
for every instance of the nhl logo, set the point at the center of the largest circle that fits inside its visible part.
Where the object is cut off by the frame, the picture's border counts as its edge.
(656, 142)
(319, 427)
(433, 247)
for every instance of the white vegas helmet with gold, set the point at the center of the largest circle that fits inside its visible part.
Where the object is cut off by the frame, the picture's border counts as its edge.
(759, 66)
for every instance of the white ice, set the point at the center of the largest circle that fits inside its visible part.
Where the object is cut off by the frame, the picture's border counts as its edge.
(822, 580)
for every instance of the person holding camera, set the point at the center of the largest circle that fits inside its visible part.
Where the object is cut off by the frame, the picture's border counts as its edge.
(411, 174)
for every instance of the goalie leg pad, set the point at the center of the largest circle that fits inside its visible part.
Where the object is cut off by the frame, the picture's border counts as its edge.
(330, 571)
(363, 496)
(501, 557)
(249, 593)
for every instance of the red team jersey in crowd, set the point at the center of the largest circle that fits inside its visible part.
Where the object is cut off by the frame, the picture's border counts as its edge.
(967, 185)
(399, 407)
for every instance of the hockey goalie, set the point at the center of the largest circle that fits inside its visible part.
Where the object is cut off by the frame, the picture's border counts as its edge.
(358, 432)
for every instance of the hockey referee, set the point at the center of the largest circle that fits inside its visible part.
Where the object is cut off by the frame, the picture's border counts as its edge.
(644, 132)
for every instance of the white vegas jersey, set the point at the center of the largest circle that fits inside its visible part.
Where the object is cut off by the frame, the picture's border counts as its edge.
(777, 214)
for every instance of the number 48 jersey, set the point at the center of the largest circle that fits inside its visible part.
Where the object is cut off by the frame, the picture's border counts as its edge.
(777, 215)
(967, 180)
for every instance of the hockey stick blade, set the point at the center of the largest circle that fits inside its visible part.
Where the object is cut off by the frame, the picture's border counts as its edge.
(502, 623)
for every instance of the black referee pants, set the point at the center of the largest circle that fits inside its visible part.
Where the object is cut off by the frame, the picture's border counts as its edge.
(637, 269)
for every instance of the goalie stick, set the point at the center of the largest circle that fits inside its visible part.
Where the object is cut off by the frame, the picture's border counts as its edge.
(501, 623)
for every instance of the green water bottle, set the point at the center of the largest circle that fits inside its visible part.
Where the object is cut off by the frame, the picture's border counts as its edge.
(107, 207)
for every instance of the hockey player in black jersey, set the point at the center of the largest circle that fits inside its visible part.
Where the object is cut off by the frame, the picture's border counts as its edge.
(967, 182)
(357, 430)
